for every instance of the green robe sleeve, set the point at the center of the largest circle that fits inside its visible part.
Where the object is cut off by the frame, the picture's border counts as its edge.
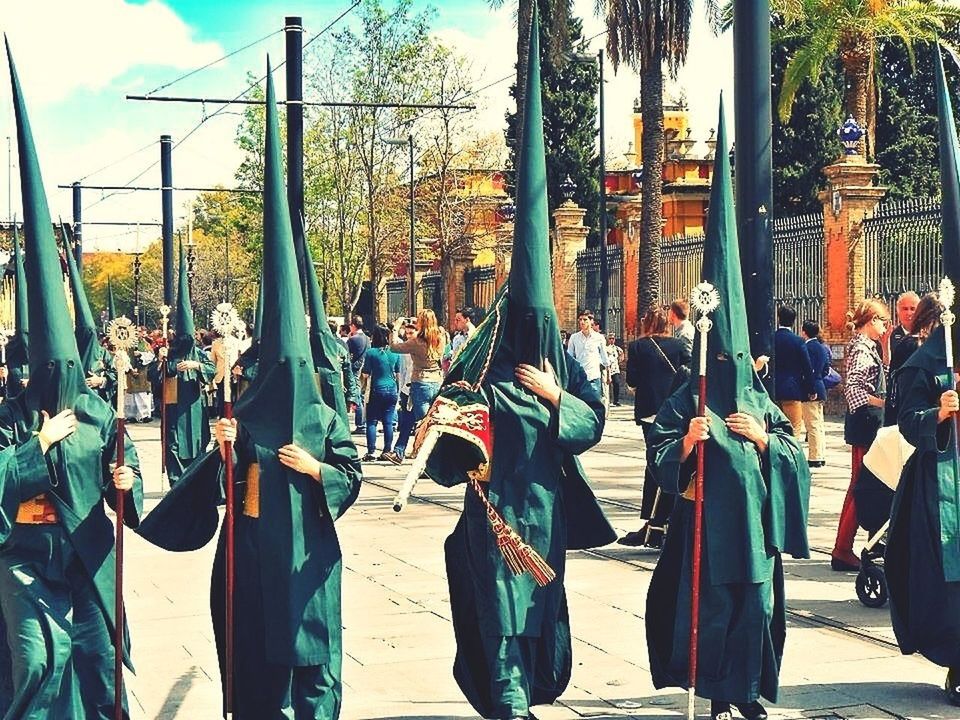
(787, 475)
(916, 418)
(23, 475)
(133, 499)
(580, 417)
(340, 472)
(666, 443)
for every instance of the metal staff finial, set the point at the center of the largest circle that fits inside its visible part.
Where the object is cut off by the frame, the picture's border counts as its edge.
(947, 293)
(704, 299)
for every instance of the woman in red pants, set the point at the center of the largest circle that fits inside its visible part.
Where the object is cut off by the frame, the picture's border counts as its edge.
(864, 390)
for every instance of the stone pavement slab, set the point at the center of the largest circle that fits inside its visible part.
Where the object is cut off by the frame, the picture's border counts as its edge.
(399, 644)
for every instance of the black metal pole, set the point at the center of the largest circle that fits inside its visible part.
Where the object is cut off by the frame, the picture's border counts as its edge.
(413, 245)
(77, 227)
(603, 211)
(754, 185)
(136, 288)
(293, 29)
(166, 199)
(226, 279)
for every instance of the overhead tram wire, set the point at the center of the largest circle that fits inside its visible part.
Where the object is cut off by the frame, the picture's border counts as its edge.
(206, 117)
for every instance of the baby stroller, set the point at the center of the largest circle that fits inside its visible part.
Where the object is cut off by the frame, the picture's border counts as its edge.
(873, 493)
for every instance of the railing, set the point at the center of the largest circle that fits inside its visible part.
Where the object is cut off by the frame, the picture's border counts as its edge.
(588, 286)
(432, 286)
(480, 286)
(902, 248)
(397, 295)
(798, 262)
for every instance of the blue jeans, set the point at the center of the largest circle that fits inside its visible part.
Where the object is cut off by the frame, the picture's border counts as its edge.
(404, 427)
(382, 408)
(421, 396)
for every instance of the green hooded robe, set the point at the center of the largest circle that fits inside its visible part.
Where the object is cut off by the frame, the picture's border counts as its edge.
(57, 580)
(287, 603)
(755, 504)
(97, 361)
(513, 635)
(922, 561)
(188, 423)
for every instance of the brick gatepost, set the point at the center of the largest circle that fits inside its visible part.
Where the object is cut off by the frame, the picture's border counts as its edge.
(851, 197)
(629, 213)
(569, 238)
(503, 252)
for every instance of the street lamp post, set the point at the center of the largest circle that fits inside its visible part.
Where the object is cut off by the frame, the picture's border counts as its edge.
(191, 260)
(136, 287)
(413, 248)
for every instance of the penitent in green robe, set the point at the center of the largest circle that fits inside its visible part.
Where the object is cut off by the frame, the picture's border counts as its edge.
(288, 566)
(922, 564)
(755, 508)
(188, 424)
(38, 561)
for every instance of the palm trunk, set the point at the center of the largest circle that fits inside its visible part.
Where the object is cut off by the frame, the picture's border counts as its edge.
(651, 155)
(856, 53)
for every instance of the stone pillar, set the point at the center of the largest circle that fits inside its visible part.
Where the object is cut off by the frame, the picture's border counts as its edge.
(503, 252)
(629, 213)
(456, 286)
(569, 238)
(849, 199)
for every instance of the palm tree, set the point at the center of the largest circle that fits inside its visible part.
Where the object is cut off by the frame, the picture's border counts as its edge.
(646, 35)
(554, 15)
(850, 29)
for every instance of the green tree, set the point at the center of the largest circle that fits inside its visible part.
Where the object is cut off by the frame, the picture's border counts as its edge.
(851, 30)
(569, 88)
(648, 35)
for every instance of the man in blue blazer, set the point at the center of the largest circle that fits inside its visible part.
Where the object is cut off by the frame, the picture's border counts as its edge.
(820, 359)
(794, 382)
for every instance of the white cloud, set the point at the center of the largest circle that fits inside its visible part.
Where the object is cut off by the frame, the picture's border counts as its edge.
(63, 45)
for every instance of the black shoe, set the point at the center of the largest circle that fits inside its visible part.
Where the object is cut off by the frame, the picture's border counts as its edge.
(367, 458)
(633, 539)
(845, 564)
(720, 711)
(952, 686)
(752, 711)
(359, 430)
(816, 463)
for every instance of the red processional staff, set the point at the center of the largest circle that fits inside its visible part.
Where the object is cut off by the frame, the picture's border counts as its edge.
(705, 299)
(122, 337)
(225, 321)
(165, 343)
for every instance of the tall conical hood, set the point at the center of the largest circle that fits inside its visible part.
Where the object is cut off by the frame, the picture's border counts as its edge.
(85, 327)
(949, 178)
(533, 332)
(324, 346)
(111, 303)
(184, 339)
(283, 399)
(56, 375)
(732, 384)
(21, 316)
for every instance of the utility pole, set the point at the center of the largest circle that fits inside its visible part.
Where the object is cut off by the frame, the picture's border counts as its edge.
(604, 279)
(166, 201)
(9, 181)
(293, 30)
(754, 186)
(77, 226)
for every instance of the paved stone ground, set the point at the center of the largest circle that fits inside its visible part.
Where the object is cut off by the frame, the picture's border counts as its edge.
(399, 644)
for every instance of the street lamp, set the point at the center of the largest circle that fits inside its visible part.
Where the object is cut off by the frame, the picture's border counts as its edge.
(413, 250)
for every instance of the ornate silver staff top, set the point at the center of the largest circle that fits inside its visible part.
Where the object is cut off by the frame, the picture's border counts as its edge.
(122, 335)
(947, 293)
(227, 323)
(704, 299)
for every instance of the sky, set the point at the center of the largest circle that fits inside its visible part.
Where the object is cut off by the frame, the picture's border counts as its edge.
(78, 60)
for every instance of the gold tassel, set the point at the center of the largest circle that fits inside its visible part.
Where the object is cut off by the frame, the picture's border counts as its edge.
(519, 556)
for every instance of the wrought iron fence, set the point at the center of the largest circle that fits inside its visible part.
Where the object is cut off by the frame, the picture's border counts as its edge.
(397, 296)
(798, 261)
(432, 286)
(902, 248)
(480, 286)
(588, 286)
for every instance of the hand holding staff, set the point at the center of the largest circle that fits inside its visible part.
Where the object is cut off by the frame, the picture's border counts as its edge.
(122, 337)
(225, 321)
(705, 300)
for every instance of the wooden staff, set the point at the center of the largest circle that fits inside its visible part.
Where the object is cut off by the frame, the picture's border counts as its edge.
(122, 338)
(705, 300)
(165, 323)
(227, 323)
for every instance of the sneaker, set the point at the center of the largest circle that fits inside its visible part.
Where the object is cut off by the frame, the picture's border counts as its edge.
(359, 431)
(952, 686)
(392, 457)
(720, 710)
(752, 710)
(816, 463)
(367, 458)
